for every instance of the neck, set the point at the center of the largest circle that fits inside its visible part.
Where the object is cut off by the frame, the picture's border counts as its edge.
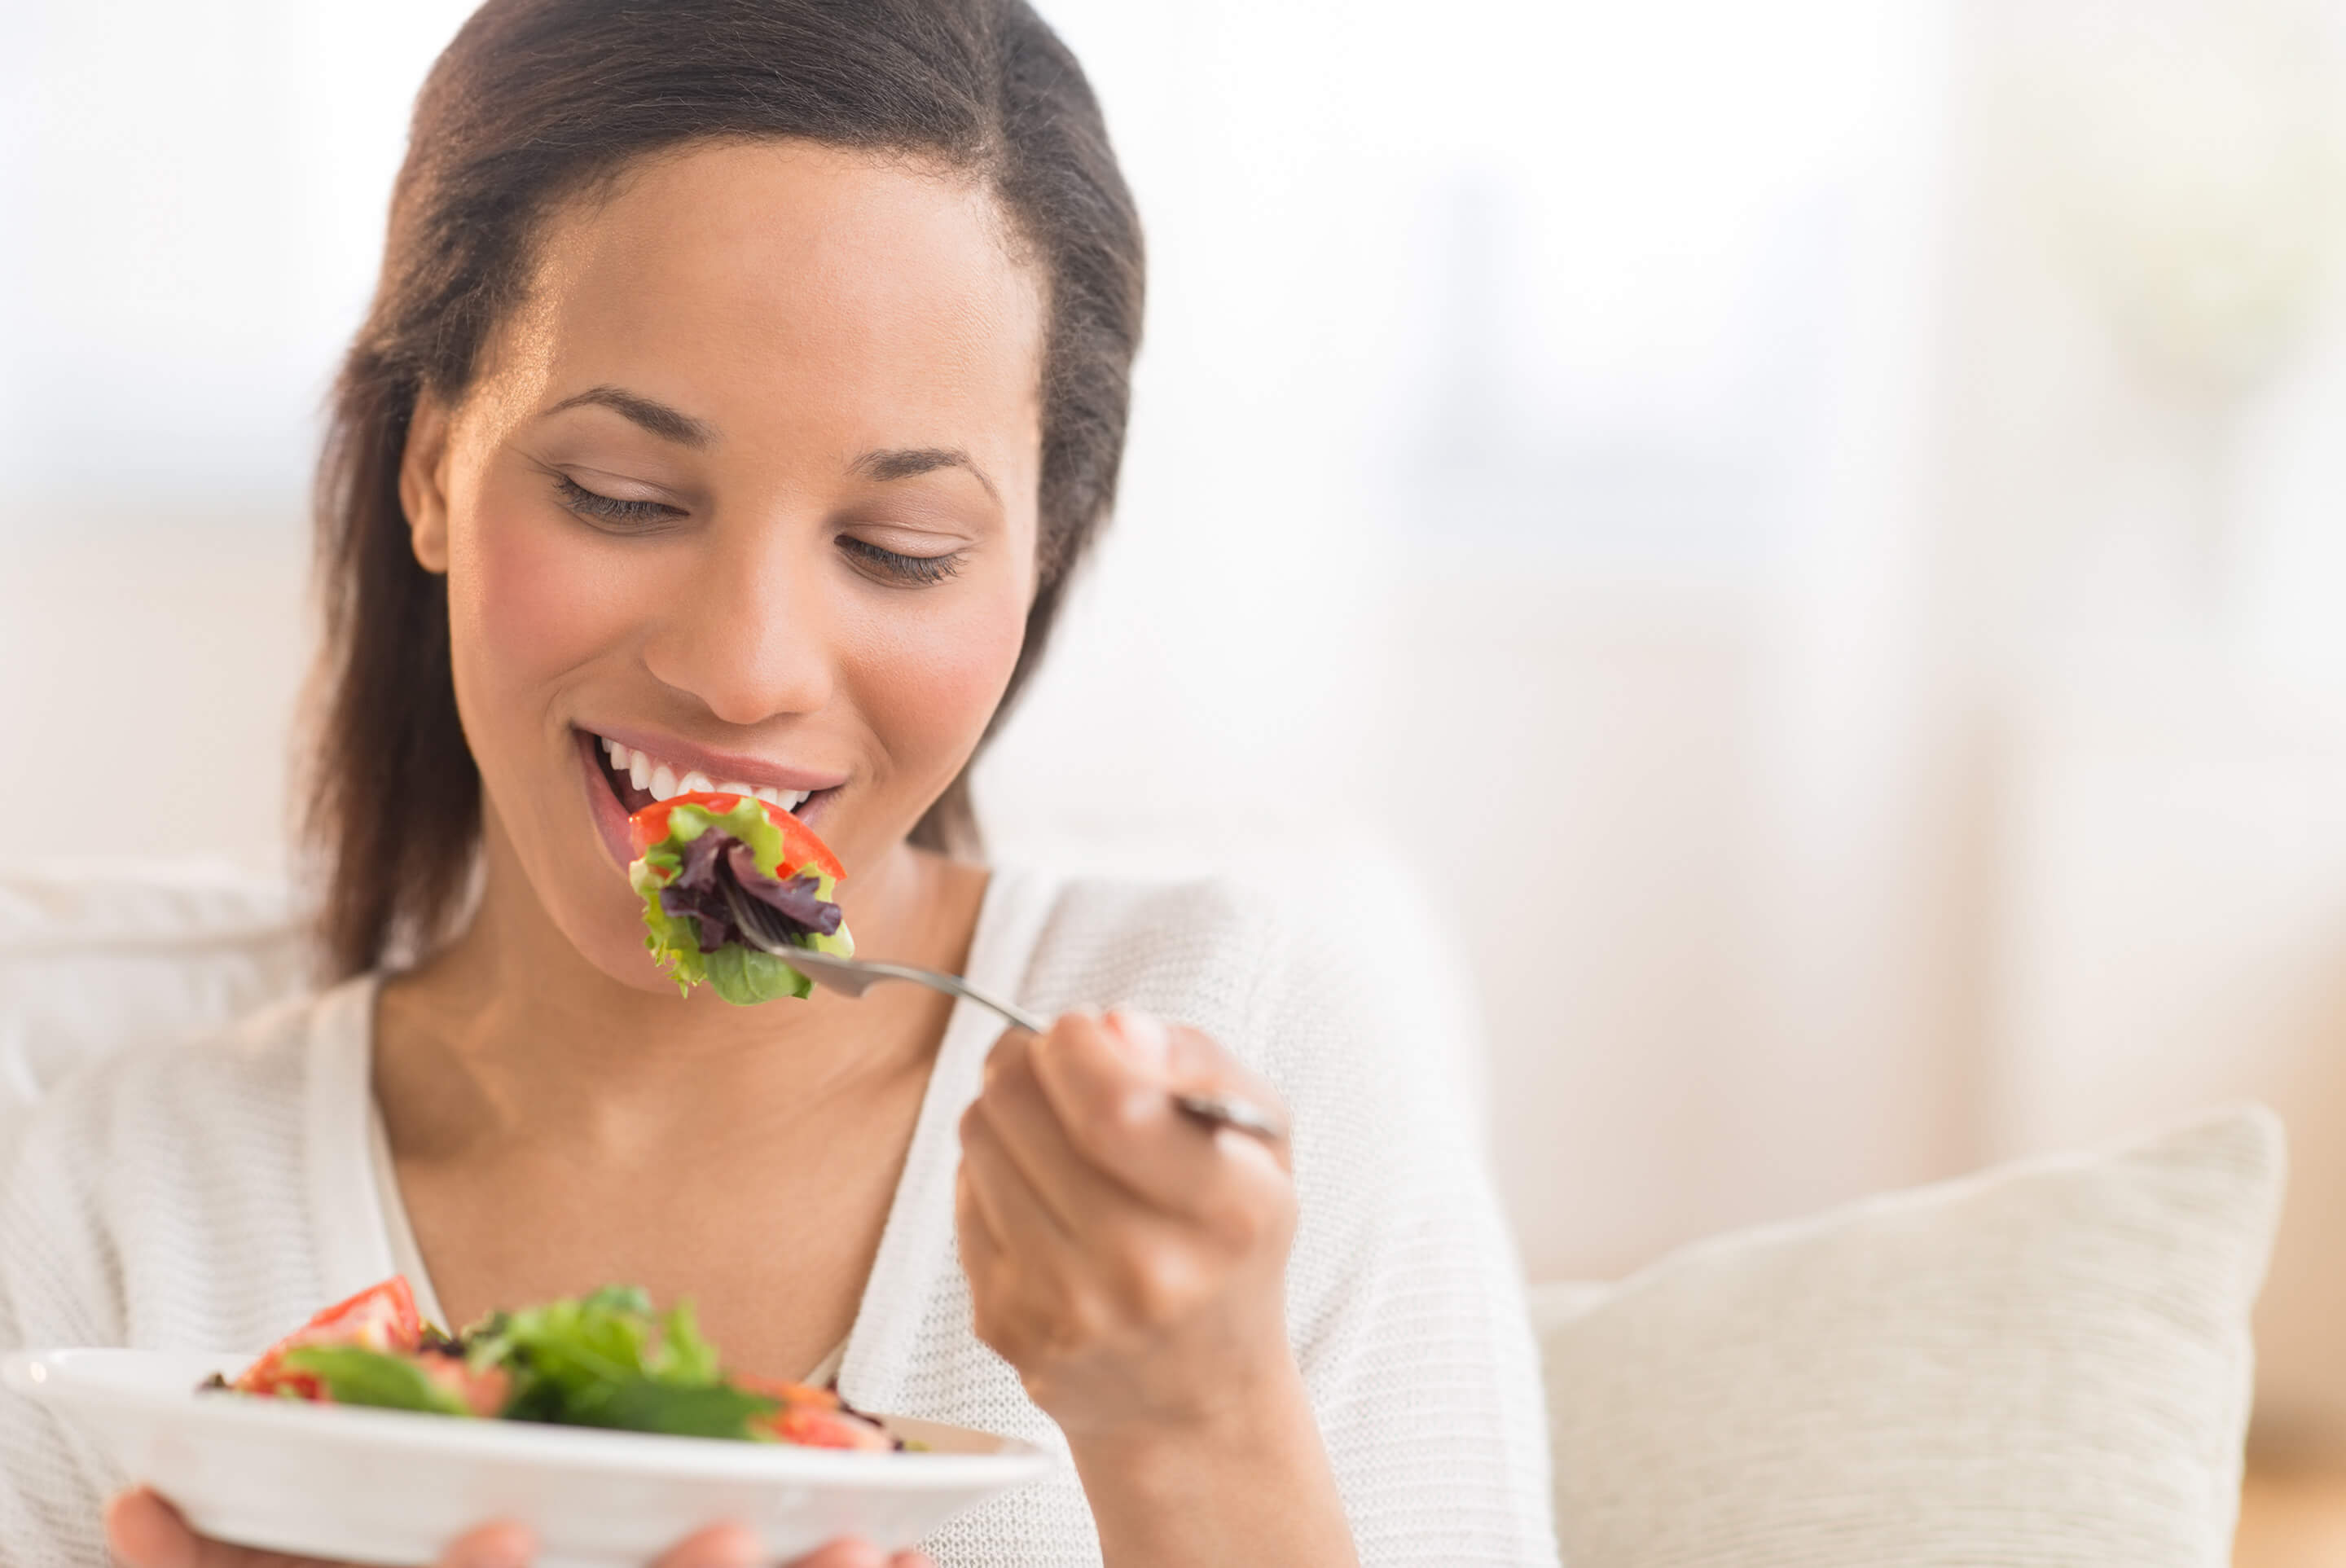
(509, 1027)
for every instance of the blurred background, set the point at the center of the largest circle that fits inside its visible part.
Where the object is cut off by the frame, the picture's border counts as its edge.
(1818, 529)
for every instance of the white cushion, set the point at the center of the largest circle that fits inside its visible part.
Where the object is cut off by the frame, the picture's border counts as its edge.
(2046, 1363)
(95, 957)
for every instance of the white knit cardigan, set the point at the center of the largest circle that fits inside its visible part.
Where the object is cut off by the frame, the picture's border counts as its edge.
(211, 1195)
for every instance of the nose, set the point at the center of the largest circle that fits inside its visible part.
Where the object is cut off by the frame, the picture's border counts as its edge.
(750, 637)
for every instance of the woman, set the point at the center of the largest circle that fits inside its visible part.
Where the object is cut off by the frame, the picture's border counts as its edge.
(746, 378)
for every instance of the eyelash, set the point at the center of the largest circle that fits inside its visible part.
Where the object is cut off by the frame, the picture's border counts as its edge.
(600, 508)
(918, 571)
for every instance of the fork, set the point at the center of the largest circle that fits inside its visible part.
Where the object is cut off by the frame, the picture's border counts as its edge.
(852, 977)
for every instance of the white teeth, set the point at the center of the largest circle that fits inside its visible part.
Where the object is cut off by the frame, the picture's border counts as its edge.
(664, 782)
(788, 800)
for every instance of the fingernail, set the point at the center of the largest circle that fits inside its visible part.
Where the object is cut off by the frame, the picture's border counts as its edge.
(1143, 1036)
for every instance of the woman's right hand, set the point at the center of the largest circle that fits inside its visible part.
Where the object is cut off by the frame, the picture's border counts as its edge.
(145, 1532)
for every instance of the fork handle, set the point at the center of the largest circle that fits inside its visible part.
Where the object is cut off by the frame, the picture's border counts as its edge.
(1032, 1023)
(1209, 1111)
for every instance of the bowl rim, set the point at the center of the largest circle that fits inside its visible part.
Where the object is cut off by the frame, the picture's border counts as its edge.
(61, 1379)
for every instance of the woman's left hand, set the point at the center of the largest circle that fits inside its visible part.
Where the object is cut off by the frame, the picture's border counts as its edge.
(1128, 1261)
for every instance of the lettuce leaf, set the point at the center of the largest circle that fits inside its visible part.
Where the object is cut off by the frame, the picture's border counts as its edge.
(680, 1410)
(695, 939)
(609, 1361)
(353, 1375)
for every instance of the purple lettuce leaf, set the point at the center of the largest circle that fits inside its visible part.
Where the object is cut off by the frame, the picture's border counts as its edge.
(716, 860)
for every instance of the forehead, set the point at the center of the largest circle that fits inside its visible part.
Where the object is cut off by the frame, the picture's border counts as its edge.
(839, 293)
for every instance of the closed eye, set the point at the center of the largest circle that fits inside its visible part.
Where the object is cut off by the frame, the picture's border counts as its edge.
(896, 566)
(610, 510)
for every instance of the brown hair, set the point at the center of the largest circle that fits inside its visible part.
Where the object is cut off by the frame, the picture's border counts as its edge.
(536, 101)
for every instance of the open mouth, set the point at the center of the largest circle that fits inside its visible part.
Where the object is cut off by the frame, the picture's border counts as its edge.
(639, 779)
(634, 778)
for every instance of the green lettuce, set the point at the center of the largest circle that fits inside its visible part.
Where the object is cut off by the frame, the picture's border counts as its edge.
(608, 1360)
(353, 1375)
(736, 971)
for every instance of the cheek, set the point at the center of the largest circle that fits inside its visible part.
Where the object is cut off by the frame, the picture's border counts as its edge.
(529, 598)
(929, 683)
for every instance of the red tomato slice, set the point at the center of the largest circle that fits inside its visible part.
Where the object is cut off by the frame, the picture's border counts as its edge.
(784, 1392)
(812, 1428)
(266, 1377)
(380, 1317)
(811, 1418)
(801, 848)
(482, 1392)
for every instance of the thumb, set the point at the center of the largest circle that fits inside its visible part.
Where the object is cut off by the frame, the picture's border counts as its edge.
(143, 1531)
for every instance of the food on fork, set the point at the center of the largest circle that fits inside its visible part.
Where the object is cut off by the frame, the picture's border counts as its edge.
(690, 848)
(602, 1360)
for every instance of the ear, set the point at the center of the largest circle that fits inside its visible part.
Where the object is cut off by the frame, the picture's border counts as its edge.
(424, 484)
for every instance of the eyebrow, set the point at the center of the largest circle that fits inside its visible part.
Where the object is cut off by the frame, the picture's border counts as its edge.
(674, 424)
(667, 423)
(910, 462)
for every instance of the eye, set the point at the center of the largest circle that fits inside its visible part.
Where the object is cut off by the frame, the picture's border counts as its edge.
(895, 566)
(609, 510)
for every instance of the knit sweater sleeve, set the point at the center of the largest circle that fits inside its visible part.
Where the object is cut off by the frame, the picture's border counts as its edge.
(153, 1202)
(1405, 1299)
(1406, 1295)
(53, 1291)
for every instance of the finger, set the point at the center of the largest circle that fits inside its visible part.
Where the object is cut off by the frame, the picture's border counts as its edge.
(503, 1545)
(143, 1531)
(1193, 1059)
(1196, 1064)
(1021, 1223)
(992, 1288)
(719, 1546)
(1120, 1118)
(1087, 1198)
(846, 1552)
(980, 1249)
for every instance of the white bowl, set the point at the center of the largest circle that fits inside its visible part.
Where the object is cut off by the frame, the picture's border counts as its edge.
(392, 1487)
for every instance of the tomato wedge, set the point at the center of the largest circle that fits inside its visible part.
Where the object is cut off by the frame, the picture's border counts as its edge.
(482, 1392)
(801, 848)
(380, 1317)
(812, 1418)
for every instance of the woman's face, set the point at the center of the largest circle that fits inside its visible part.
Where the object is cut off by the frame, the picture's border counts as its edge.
(745, 493)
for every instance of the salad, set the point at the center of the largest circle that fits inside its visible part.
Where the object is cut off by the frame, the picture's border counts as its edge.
(602, 1360)
(690, 848)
